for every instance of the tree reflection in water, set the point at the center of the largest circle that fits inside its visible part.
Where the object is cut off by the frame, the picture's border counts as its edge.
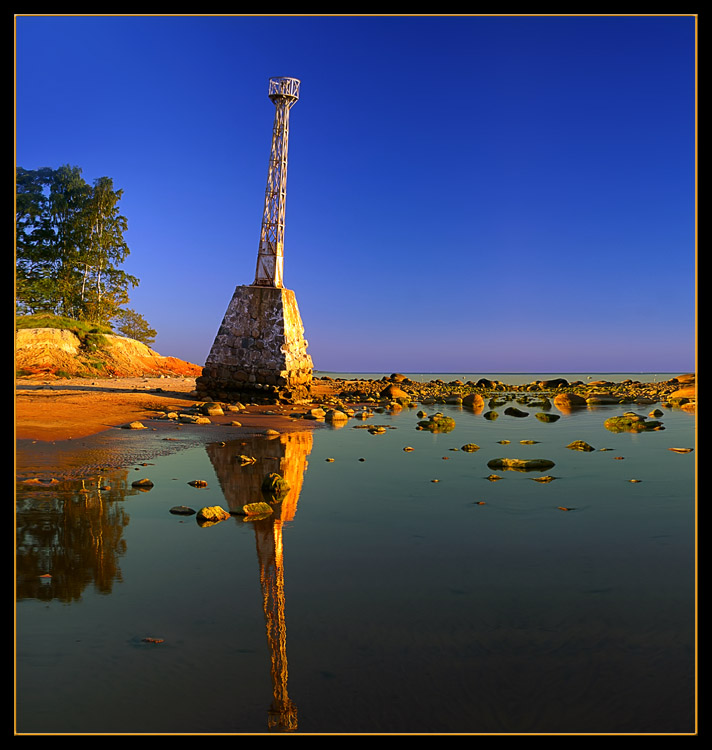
(285, 454)
(74, 529)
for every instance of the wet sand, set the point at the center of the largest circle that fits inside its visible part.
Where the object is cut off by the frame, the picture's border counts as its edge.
(74, 427)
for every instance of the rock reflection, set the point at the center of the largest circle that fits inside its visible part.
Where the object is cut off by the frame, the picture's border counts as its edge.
(241, 484)
(69, 535)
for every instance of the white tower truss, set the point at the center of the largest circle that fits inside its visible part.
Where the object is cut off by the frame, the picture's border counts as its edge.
(284, 93)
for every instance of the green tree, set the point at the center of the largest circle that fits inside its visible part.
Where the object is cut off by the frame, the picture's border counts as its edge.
(35, 249)
(104, 285)
(70, 245)
(133, 325)
(67, 200)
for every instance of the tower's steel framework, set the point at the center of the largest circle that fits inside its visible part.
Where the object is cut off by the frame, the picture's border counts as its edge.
(259, 352)
(284, 93)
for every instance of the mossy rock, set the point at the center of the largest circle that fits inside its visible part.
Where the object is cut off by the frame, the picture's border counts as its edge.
(631, 422)
(521, 464)
(256, 509)
(491, 415)
(470, 448)
(580, 445)
(212, 514)
(438, 423)
(544, 417)
(275, 485)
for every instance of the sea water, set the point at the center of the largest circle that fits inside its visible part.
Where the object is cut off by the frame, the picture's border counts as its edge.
(398, 588)
(509, 378)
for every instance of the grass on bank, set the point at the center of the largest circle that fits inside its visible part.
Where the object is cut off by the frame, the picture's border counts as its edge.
(90, 335)
(79, 328)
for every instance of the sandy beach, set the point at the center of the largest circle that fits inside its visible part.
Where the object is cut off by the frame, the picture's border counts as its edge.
(55, 410)
(72, 427)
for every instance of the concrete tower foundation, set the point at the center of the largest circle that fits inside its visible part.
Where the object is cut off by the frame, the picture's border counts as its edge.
(259, 353)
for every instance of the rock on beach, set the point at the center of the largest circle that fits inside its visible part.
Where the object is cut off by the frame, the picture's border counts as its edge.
(212, 514)
(566, 401)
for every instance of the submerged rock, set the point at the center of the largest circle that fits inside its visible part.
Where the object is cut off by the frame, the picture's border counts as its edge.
(438, 423)
(580, 445)
(521, 464)
(275, 485)
(256, 509)
(512, 411)
(631, 422)
(470, 448)
(602, 398)
(142, 484)
(543, 416)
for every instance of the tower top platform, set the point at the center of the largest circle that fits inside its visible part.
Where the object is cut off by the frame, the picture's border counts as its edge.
(282, 87)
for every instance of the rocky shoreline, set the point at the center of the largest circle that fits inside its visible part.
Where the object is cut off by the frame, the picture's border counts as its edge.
(59, 409)
(58, 420)
(679, 391)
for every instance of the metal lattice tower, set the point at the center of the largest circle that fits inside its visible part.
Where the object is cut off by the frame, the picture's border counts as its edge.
(284, 93)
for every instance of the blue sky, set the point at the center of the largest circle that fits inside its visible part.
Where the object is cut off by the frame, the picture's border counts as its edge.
(465, 193)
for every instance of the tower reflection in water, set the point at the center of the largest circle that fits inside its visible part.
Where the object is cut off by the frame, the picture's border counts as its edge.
(241, 484)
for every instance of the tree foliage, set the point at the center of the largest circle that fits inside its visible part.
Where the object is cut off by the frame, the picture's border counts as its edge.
(70, 245)
(131, 324)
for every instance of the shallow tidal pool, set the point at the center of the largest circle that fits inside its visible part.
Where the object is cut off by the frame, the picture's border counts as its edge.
(391, 591)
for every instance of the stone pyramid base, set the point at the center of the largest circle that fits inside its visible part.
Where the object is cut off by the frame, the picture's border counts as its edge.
(259, 353)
